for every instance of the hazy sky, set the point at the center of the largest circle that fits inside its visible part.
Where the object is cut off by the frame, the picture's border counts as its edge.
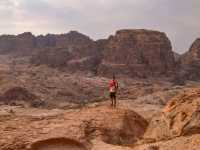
(180, 19)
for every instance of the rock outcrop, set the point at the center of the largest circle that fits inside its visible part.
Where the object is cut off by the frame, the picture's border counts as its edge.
(190, 63)
(22, 44)
(135, 53)
(73, 51)
(20, 96)
(76, 129)
(139, 53)
(193, 55)
(180, 117)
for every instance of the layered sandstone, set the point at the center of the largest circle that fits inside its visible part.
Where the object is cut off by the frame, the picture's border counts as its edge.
(139, 53)
(23, 43)
(190, 62)
(179, 118)
(66, 130)
(136, 53)
(73, 51)
(193, 55)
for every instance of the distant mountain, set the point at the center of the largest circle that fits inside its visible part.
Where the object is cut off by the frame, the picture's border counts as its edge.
(135, 53)
(190, 62)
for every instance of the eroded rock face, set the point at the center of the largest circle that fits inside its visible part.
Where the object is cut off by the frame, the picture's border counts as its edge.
(139, 53)
(73, 51)
(23, 43)
(113, 126)
(20, 96)
(135, 53)
(179, 118)
(116, 127)
(190, 62)
(193, 54)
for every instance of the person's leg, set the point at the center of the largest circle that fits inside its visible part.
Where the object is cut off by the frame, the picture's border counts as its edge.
(111, 98)
(112, 102)
(115, 100)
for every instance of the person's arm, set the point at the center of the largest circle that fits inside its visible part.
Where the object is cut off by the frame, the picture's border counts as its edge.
(117, 85)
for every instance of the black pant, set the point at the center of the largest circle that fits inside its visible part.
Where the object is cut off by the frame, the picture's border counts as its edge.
(113, 99)
(113, 95)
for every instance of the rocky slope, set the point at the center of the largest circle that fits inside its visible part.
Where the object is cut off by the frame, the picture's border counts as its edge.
(98, 127)
(66, 72)
(70, 68)
(56, 88)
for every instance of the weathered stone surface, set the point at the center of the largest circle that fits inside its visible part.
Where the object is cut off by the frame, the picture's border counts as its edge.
(73, 51)
(20, 96)
(190, 63)
(6, 43)
(179, 118)
(115, 126)
(139, 53)
(135, 53)
(23, 43)
(193, 55)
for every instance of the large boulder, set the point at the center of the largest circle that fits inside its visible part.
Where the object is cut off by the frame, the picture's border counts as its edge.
(180, 117)
(20, 96)
(139, 53)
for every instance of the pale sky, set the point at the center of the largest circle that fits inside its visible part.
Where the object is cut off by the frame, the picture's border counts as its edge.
(179, 19)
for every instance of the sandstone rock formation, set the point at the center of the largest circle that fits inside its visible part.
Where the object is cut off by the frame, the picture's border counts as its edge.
(20, 96)
(71, 128)
(73, 51)
(193, 54)
(139, 53)
(176, 56)
(179, 118)
(190, 62)
(136, 53)
(22, 44)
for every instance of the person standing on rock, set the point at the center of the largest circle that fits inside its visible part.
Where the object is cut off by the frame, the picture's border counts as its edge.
(113, 87)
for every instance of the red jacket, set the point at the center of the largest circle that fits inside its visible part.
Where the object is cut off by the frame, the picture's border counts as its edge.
(113, 86)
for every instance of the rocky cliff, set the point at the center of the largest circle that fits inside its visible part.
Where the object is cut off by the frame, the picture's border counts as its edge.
(139, 53)
(136, 53)
(21, 43)
(73, 51)
(190, 62)
(193, 55)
